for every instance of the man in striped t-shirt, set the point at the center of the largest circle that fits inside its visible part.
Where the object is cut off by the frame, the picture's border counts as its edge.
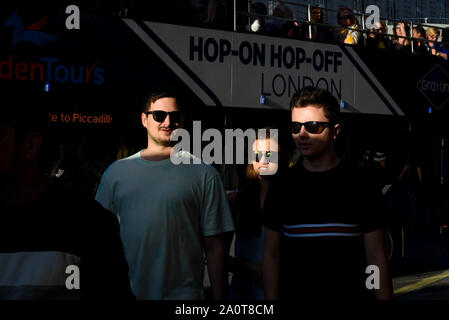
(323, 219)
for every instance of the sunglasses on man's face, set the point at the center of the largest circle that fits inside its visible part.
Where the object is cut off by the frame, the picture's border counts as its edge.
(314, 127)
(268, 154)
(159, 115)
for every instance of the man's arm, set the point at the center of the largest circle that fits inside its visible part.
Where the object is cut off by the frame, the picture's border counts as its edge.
(271, 254)
(216, 253)
(375, 251)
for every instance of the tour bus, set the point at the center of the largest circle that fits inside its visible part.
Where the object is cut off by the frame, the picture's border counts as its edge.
(96, 69)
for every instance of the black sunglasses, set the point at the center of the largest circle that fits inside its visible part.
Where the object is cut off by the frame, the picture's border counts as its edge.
(314, 127)
(159, 115)
(268, 154)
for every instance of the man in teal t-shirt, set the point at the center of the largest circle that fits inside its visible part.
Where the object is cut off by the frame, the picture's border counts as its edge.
(168, 213)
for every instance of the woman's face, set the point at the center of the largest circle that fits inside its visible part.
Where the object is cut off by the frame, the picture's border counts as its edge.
(432, 36)
(265, 157)
(317, 15)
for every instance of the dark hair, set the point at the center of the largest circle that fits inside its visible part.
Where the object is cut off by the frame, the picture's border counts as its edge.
(407, 29)
(317, 96)
(445, 35)
(346, 12)
(420, 30)
(156, 95)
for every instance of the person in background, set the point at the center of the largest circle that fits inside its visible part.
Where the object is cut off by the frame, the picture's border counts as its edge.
(419, 46)
(320, 32)
(50, 231)
(347, 19)
(445, 36)
(375, 164)
(124, 150)
(376, 40)
(435, 48)
(280, 27)
(247, 283)
(400, 31)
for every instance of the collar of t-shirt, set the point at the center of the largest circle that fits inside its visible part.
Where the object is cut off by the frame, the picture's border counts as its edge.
(328, 172)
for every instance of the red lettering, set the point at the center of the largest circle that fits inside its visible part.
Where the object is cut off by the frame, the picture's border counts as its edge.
(89, 71)
(21, 67)
(8, 65)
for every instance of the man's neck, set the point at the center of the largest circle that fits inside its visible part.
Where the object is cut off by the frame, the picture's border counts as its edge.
(155, 152)
(322, 163)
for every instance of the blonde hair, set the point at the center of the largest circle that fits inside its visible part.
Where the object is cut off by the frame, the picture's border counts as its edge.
(431, 31)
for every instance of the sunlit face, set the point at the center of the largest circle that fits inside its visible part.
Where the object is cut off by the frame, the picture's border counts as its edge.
(309, 144)
(378, 27)
(265, 152)
(159, 132)
(432, 37)
(400, 29)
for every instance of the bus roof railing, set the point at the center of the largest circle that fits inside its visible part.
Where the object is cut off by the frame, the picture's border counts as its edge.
(362, 30)
(367, 31)
(361, 14)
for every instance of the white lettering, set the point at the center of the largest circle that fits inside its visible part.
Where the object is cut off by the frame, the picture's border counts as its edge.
(72, 21)
(373, 281)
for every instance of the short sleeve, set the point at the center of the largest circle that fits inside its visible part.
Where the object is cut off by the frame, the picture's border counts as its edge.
(216, 215)
(104, 194)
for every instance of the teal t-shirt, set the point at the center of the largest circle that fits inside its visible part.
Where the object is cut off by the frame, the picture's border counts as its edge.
(164, 211)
